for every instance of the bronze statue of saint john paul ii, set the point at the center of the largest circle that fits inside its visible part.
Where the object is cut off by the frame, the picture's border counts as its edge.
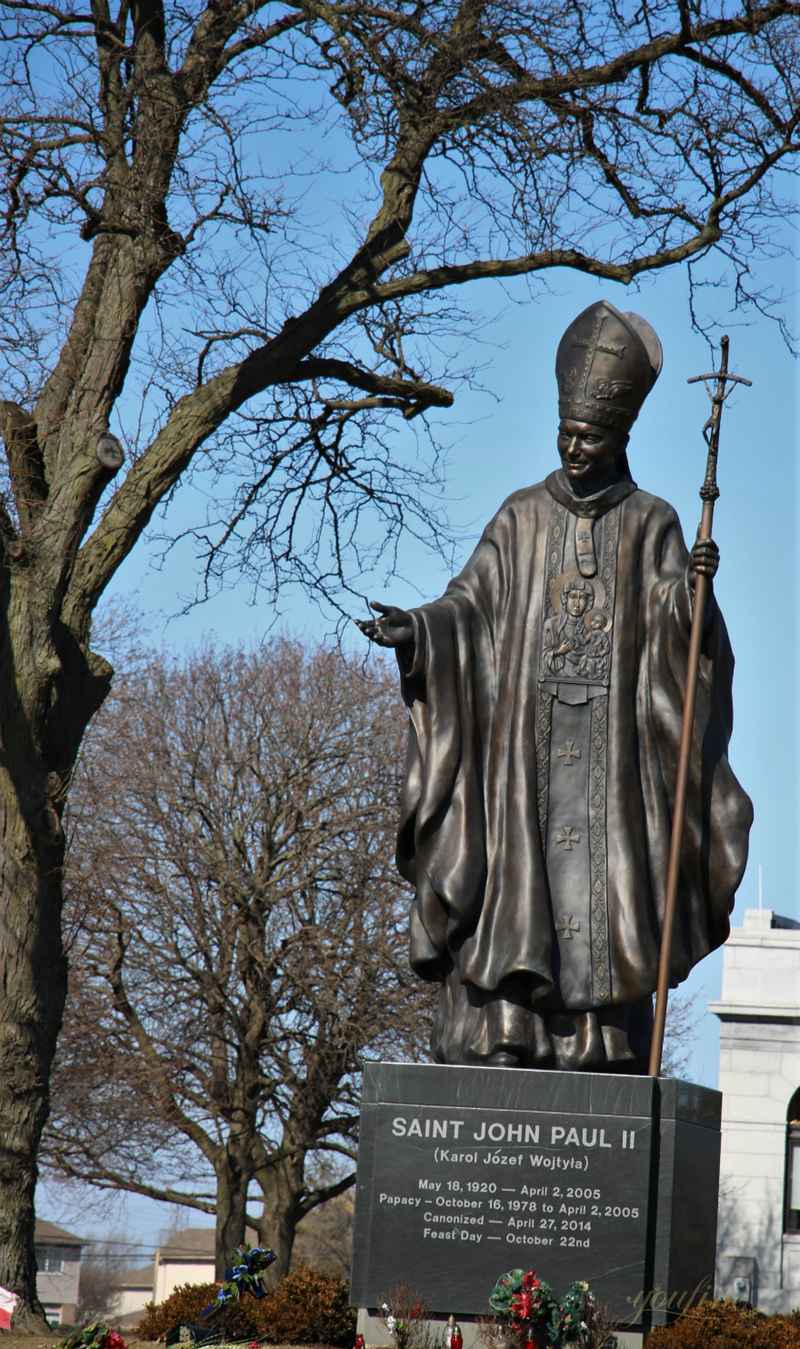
(545, 692)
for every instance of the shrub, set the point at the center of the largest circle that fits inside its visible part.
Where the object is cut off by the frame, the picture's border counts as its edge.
(187, 1303)
(724, 1325)
(306, 1308)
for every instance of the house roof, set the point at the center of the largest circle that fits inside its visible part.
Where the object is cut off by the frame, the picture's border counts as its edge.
(188, 1243)
(46, 1232)
(194, 1243)
(134, 1278)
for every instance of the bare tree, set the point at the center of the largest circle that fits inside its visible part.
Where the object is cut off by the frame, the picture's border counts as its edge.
(98, 1287)
(683, 1013)
(234, 224)
(239, 936)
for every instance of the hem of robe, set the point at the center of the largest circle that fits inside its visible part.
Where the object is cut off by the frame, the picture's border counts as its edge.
(477, 1027)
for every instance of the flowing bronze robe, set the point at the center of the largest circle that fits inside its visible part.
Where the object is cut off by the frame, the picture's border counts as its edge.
(482, 778)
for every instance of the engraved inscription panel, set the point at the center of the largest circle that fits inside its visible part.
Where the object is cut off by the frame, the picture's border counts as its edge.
(449, 1198)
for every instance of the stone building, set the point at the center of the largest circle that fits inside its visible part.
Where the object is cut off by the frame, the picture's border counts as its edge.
(758, 1243)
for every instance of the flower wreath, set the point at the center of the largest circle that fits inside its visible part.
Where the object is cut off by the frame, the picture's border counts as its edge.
(531, 1308)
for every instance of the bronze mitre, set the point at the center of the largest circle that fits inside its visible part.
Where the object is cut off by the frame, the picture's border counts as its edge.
(607, 363)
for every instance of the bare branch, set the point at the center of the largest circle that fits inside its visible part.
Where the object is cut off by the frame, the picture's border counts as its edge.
(26, 469)
(412, 397)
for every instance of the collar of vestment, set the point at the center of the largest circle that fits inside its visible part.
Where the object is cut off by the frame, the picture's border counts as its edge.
(591, 507)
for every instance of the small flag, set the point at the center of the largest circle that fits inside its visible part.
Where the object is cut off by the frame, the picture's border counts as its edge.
(8, 1303)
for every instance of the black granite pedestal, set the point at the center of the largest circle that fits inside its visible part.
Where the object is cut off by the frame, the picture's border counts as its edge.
(464, 1173)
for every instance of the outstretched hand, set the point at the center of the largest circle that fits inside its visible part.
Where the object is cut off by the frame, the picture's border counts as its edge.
(393, 627)
(703, 560)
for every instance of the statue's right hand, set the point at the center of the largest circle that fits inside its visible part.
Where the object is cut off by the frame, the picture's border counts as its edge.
(392, 627)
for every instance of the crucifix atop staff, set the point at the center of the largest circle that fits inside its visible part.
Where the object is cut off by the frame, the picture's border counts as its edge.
(545, 692)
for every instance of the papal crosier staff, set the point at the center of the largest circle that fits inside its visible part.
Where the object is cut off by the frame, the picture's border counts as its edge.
(545, 693)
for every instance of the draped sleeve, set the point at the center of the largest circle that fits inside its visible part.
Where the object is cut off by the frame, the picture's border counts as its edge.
(469, 837)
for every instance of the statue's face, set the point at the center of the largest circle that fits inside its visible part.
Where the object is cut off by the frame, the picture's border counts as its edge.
(590, 455)
(578, 602)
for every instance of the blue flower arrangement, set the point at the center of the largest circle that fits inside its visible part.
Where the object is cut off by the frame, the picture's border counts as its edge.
(243, 1277)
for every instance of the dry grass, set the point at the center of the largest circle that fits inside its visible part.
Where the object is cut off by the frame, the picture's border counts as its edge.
(11, 1339)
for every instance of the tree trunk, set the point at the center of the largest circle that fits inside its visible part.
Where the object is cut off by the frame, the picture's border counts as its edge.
(282, 1188)
(232, 1182)
(278, 1232)
(48, 692)
(33, 983)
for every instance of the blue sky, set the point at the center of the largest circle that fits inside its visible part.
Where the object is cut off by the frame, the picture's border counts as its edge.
(504, 438)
